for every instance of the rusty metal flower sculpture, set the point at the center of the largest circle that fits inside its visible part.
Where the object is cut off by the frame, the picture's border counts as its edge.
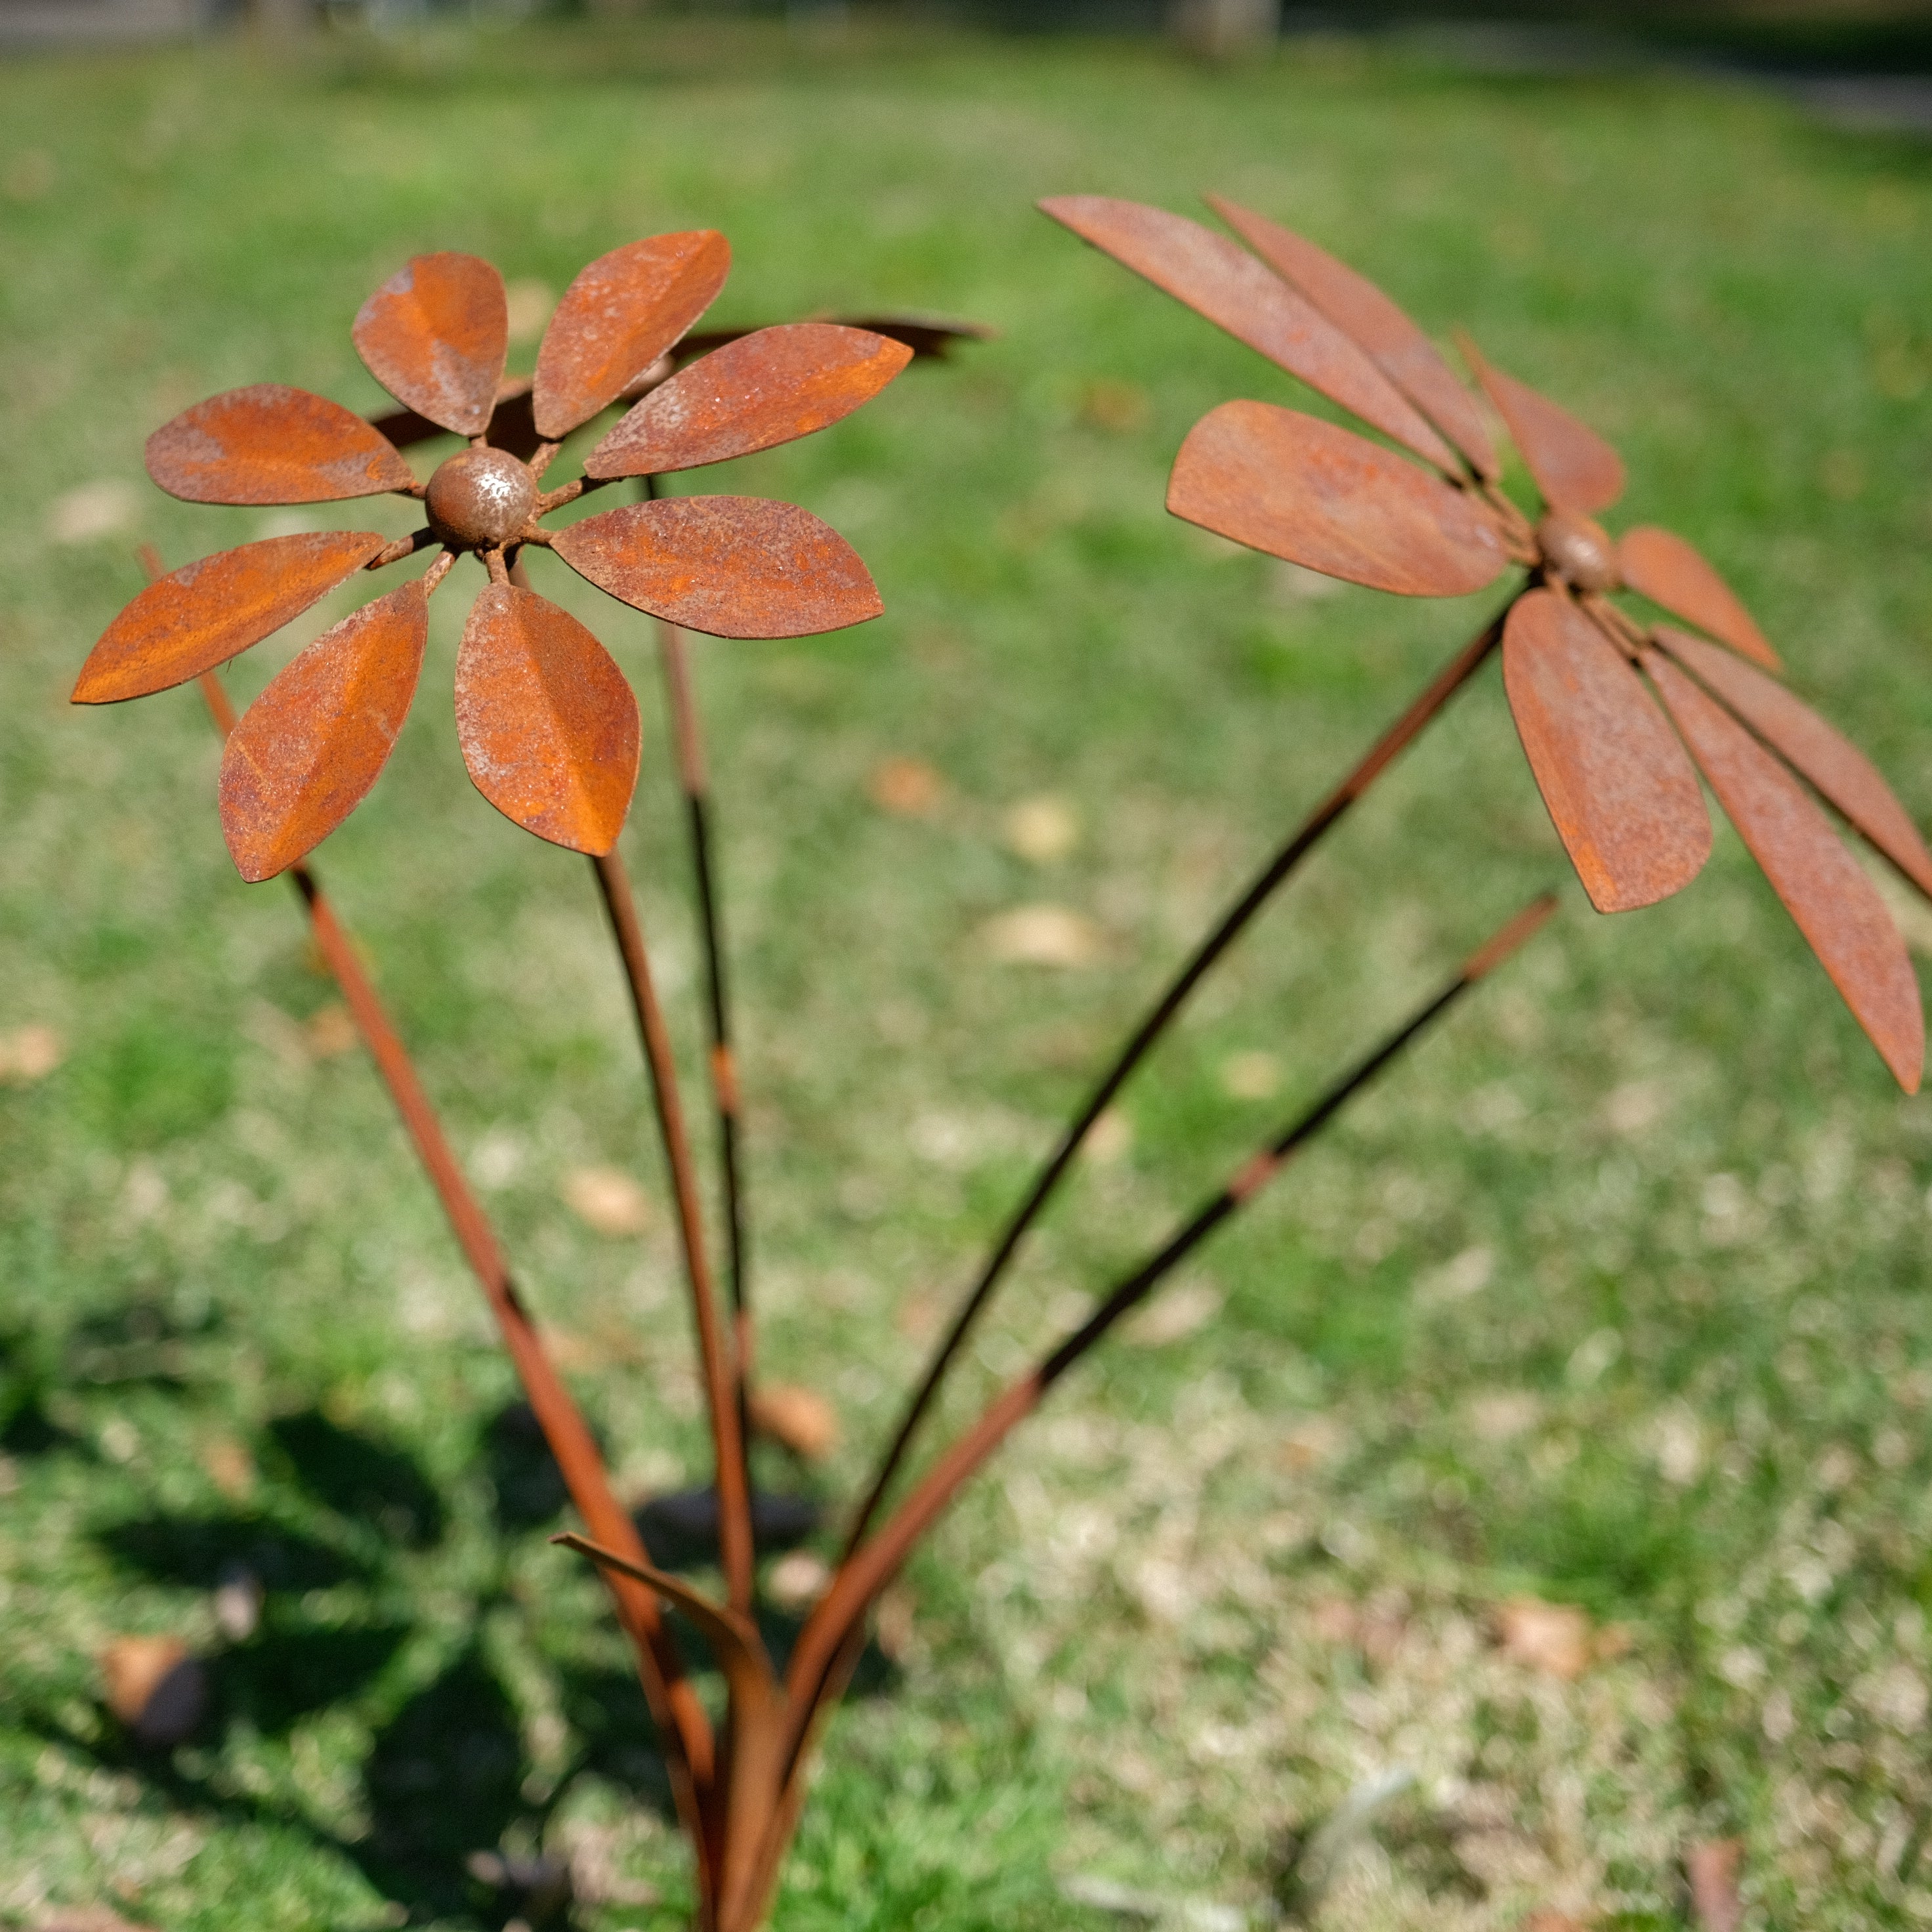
(1595, 692)
(548, 726)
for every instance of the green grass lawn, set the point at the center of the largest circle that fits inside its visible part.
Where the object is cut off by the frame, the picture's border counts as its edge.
(1613, 1295)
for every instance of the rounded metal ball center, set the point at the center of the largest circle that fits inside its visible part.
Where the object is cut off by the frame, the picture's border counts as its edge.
(481, 498)
(1578, 551)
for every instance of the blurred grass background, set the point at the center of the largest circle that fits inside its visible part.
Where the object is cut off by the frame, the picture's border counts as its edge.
(1611, 1296)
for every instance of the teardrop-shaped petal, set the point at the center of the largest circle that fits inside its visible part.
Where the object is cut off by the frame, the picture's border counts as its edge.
(1572, 466)
(1298, 487)
(1815, 750)
(307, 750)
(1370, 319)
(1621, 793)
(732, 566)
(753, 394)
(270, 444)
(435, 335)
(548, 724)
(1660, 566)
(618, 317)
(1837, 908)
(1225, 284)
(204, 613)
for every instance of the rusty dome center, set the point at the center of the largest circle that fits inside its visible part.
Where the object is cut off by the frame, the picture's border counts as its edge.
(1578, 551)
(481, 498)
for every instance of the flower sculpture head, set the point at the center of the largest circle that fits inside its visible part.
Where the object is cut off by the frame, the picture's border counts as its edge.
(1595, 692)
(548, 726)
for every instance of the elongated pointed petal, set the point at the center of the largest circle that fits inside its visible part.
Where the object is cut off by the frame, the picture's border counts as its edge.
(1298, 487)
(1225, 284)
(204, 613)
(1371, 320)
(548, 724)
(1837, 908)
(753, 394)
(270, 444)
(435, 335)
(1572, 466)
(307, 750)
(732, 566)
(1621, 793)
(1659, 565)
(618, 317)
(1815, 750)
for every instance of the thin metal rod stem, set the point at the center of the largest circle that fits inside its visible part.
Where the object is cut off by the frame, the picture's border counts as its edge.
(734, 1510)
(864, 1575)
(675, 1707)
(1445, 684)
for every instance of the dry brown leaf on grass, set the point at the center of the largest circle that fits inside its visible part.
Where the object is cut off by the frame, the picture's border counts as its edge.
(529, 303)
(27, 1054)
(607, 1200)
(155, 1687)
(329, 1030)
(230, 1467)
(798, 1419)
(85, 1918)
(1553, 1639)
(91, 511)
(1552, 1921)
(1713, 1868)
(905, 787)
(1043, 935)
(1174, 1315)
(1110, 1138)
(797, 1580)
(1250, 1076)
(1041, 830)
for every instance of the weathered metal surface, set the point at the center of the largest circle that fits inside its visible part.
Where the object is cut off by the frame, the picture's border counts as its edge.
(925, 336)
(480, 498)
(306, 751)
(1620, 792)
(1572, 466)
(1225, 284)
(751, 394)
(1299, 488)
(548, 724)
(731, 566)
(435, 335)
(1578, 550)
(271, 444)
(1367, 316)
(204, 613)
(620, 315)
(1815, 750)
(1659, 565)
(1837, 907)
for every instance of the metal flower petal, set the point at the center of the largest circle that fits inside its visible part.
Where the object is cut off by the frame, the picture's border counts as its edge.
(620, 315)
(1837, 908)
(435, 335)
(547, 724)
(204, 613)
(1620, 792)
(1369, 318)
(1226, 284)
(1817, 751)
(732, 566)
(271, 444)
(761, 390)
(1572, 466)
(1301, 488)
(1659, 565)
(307, 750)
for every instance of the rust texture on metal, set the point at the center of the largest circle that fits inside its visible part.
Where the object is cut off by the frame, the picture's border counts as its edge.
(204, 613)
(1660, 566)
(1361, 311)
(271, 444)
(751, 394)
(481, 498)
(620, 315)
(435, 335)
(1620, 792)
(548, 726)
(315, 741)
(1227, 285)
(729, 566)
(1837, 907)
(1332, 501)
(1573, 467)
